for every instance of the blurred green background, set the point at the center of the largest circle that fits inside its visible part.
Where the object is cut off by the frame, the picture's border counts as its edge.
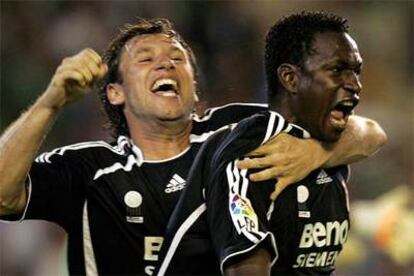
(227, 37)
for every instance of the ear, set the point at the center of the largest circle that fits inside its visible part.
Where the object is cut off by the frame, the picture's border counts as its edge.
(115, 94)
(288, 75)
(196, 98)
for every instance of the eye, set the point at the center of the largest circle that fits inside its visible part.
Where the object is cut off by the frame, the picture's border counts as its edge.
(358, 71)
(337, 69)
(179, 59)
(144, 60)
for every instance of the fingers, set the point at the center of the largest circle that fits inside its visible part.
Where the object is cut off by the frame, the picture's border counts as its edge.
(281, 184)
(255, 163)
(266, 174)
(84, 69)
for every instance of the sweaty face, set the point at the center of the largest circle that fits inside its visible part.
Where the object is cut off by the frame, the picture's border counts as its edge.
(329, 86)
(157, 79)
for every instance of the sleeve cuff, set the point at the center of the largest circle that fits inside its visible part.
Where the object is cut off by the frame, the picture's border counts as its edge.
(268, 242)
(16, 218)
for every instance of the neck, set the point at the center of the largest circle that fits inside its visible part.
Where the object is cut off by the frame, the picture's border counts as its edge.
(281, 105)
(161, 140)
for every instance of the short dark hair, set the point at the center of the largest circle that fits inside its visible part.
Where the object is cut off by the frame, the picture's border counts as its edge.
(290, 40)
(116, 120)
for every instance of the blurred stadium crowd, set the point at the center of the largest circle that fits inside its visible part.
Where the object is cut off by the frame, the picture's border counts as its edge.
(227, 37)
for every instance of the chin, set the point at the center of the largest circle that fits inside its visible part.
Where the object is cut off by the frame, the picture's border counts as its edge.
(332, 136)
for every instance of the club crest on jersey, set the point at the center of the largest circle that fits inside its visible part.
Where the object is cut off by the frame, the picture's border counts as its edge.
(243, 213)
(302, 193)
(133, 202)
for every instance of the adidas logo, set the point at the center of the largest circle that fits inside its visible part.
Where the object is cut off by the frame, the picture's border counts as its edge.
(176, 183)
(323, 178)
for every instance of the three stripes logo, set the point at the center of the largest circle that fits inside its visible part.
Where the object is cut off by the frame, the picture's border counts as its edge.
(175, 184)
(323, 178)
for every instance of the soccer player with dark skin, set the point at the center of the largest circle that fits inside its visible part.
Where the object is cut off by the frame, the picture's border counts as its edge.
(315, 88)
(223, 222)
(142, 59)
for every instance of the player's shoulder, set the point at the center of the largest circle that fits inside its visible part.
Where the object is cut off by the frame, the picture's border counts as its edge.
(88, 150)
(217, 117)
(230, 108)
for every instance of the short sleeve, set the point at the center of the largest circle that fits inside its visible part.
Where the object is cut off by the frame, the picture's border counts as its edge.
(236, 215)
(55, 189)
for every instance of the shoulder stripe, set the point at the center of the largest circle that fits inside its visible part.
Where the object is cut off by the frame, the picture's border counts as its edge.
(209, 112)
(118, 149)
(118, 166)
(179, 235)
(240, 209)
(274, 126)
(203, 137)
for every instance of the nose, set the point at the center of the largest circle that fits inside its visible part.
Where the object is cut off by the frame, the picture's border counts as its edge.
(165, 64)
(352, 82)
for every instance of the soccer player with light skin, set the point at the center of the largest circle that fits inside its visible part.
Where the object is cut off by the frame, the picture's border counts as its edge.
(148, 89)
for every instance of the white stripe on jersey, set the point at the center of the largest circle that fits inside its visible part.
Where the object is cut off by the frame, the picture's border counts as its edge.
(268, 234)
(179, 235)
(89, 256)
(118, 149)
(236, 177)
(274, 126)
(203, 137)
(241, 212)
(29, 196)
(118, 166)
(269, 129)
(209, 112)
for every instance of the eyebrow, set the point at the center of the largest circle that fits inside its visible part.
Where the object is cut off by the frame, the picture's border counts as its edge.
(149, 49)
(356, 64)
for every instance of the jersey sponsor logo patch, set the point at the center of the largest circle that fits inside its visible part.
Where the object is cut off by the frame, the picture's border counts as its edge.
(323, 178)
(133, 202)
(175, 184)
(244, 214)
(317, 238)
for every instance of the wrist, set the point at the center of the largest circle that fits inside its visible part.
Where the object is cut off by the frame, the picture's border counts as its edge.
(52, 99)
(322, 153)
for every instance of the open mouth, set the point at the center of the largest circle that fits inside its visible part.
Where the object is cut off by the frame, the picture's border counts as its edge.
(165, 87)
(340, 113)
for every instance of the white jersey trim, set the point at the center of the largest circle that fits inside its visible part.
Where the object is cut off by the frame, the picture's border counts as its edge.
(203, 137)
(238, 185)
(268, 234)
(179, 235)
(118, 166)
(209, 112)
(89, 255)
(138, 150)
(118, 149)
(29, 196)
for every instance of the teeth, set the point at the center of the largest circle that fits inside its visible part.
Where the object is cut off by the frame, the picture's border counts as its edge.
(348, 103)
(160, 82)
(167, 94)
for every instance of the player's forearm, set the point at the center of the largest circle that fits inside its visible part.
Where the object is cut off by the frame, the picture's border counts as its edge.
(362, 138)
(256, 264)
(19, 145)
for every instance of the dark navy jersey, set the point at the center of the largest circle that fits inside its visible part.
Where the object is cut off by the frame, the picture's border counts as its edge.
(113, 204)
(222, 217)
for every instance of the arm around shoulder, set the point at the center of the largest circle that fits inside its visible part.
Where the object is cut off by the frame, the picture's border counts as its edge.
(362, 138)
